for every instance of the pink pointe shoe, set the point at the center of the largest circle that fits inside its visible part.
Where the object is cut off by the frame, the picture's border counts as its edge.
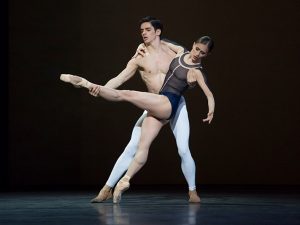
(104, 194)
(122, 186)
(76, 81)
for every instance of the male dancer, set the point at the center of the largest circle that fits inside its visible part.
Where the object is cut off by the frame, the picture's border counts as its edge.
(153, 67)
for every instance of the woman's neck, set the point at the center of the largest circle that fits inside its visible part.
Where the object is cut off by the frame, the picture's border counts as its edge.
(189, 60)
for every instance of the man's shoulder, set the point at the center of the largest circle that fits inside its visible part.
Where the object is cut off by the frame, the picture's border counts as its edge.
(169, 42)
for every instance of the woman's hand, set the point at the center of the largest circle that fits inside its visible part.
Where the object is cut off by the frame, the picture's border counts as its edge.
(141, 50)
(209, 117)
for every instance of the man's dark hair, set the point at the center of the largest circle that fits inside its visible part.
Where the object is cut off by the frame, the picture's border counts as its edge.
(154, 22)
(206, 40)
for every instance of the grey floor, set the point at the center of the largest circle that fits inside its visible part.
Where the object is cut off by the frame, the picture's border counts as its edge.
(147, 208)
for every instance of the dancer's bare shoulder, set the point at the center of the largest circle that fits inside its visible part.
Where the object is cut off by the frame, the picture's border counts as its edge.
(170, 47)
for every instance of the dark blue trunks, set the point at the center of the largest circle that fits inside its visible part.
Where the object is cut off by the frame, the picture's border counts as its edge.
(174, 100)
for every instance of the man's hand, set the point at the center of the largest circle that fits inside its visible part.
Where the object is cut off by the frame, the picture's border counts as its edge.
(192, 77)
(141, 50)
(209, 117)
(94, 90)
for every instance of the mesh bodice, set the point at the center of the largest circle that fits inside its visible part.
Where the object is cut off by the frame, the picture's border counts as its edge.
(176, 78)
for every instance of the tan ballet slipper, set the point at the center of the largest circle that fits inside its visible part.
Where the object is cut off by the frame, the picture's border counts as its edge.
(194, 198)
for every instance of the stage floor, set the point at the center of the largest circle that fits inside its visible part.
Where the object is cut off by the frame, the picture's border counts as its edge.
(158, 207)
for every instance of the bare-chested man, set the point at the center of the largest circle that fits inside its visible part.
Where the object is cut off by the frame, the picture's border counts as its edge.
(153, 67)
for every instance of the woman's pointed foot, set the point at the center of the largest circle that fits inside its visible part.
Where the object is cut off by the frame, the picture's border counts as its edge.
(76, 81)
(104, 194)
(122, 186)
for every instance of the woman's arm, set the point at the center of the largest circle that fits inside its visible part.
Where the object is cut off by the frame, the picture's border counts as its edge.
(209, 96)
(141, 50)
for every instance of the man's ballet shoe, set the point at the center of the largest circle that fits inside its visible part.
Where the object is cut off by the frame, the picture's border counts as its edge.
(194, 198)
(104, 194)
(122, 186)
(76, 81)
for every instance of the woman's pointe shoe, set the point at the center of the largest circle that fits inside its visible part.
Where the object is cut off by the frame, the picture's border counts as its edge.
(122, 186)
(104, 194)
(76, 81)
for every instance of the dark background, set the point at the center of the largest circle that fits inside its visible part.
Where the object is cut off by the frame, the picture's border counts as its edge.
(58, 136)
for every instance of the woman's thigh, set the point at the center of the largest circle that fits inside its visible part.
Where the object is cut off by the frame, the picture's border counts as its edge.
(157, 105)
(150, 129)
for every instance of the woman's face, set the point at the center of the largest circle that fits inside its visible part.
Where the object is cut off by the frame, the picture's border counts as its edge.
(198, 51)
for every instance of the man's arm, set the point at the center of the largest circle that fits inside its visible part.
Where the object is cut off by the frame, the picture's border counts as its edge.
(125, 75)
(179, 50)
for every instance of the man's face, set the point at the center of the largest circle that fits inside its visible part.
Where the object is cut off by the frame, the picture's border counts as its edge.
(148, 33)
(199, 51)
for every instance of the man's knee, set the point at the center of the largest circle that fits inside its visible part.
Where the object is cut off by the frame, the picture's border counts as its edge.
(131, 148)
(184, 151)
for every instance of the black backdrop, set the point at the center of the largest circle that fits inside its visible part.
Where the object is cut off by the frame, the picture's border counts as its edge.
(62, 136)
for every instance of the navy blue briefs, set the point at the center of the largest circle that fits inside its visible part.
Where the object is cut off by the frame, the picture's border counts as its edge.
(174, 100)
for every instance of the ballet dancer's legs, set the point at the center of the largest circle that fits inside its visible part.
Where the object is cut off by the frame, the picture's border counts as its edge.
(146, 101)
(180, 127)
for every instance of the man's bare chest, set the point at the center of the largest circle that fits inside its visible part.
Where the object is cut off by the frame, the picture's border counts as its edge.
(153, 64)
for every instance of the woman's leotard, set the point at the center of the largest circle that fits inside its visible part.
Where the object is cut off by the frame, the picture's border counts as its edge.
(175, 83)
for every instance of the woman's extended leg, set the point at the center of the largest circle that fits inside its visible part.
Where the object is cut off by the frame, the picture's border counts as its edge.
(157, 105)
(150, 129)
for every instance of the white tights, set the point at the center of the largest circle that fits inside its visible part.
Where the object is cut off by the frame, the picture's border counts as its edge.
(181, 130)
